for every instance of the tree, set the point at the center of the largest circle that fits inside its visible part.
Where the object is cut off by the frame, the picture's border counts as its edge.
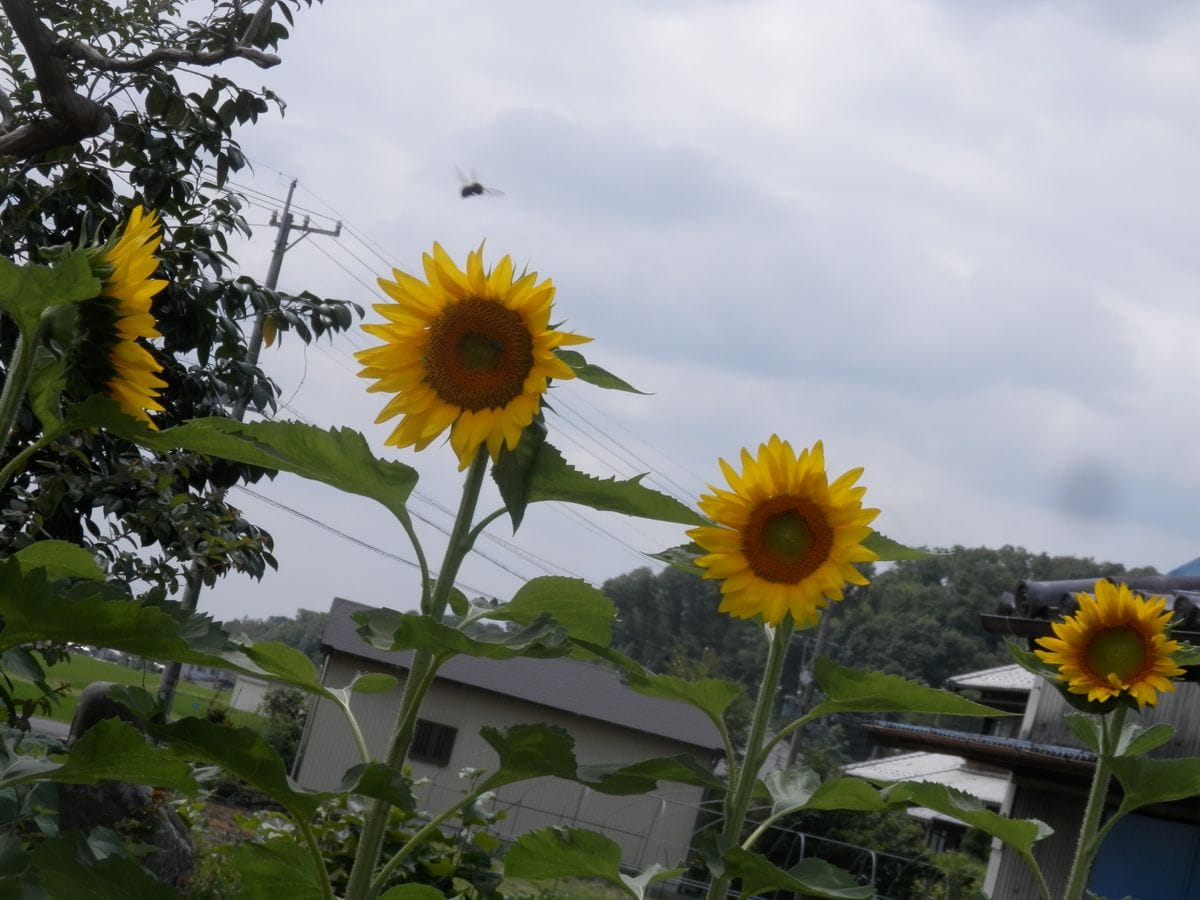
(103, 107)
(302, 631)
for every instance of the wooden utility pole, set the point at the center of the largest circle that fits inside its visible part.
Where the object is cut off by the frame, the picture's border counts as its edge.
(194, 578)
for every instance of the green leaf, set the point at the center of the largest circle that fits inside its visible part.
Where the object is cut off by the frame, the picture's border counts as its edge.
(1085, 730)
(279, 868)
(113, 750)
(28, 291)
(682, 557)
(892, 551)
(412, 892)
(338, 457)
(1187, 655)
(67, 868)
(810, 877)
(285, 663)
(1145, 780)
(60, 559)
(790, 788)
(644, 776)
(553, 478)
(585, 371)
(530, 751)
(373, 683)
(390, 630)
(856, 690)
(712, 696)
(241, 752)
(513, 471)
(32, 612)
(1136, 739)
(585, 612)
(379, 782)
(1020, 834)
(640, 884)
(553, 853)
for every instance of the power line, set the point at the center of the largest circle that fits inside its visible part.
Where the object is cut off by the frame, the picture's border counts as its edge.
(351, 538)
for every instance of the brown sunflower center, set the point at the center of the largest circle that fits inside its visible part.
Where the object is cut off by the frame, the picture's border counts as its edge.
(479, 354)
(787, 539)
(1120, 651)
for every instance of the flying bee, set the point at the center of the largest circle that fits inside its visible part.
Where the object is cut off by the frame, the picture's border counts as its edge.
(471, 187)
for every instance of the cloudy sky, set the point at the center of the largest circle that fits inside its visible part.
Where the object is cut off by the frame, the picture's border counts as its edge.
(956, 241)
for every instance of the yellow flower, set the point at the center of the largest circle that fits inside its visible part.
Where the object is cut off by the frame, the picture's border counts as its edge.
(1115, 643)
(471, 351)
(785, 540)
(133, 372)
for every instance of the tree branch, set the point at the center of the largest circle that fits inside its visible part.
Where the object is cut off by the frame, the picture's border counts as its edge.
(73, 116)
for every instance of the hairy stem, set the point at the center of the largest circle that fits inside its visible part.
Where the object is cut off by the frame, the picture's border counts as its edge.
(420, 676)
(1085, 851)
(748, 774)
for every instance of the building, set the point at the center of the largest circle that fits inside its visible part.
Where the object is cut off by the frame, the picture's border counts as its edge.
(248, 692)
(1150, 855)
(610, 723)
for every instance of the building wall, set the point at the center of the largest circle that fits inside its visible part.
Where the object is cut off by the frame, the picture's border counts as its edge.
(1180, 709)
(649, 828)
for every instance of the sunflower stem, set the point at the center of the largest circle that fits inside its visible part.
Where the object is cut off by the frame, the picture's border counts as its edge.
(20, 372)
(422, 670)
(745, 777)
(1085, 852)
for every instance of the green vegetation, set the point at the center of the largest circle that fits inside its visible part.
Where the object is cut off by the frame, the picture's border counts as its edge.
(79, 671)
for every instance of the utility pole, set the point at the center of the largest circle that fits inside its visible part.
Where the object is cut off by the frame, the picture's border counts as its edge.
(194, 579)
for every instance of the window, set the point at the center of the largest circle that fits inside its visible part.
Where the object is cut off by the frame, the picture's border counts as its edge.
(432, 742)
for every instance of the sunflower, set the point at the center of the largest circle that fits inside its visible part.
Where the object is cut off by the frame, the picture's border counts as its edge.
(785, 540)
(470, 351)
(1116, 643)
(115, 321)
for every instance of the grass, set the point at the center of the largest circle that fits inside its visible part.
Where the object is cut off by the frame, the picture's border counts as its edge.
(80, 671)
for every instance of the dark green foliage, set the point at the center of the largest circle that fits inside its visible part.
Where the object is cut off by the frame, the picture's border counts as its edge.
(285, 710)
(920, 619)
(168, 142)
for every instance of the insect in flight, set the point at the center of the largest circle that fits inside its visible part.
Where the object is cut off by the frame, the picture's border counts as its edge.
(471, 187)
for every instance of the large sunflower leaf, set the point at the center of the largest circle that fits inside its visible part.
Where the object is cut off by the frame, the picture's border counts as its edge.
(858, 690)
(60, 559)
(712, 696)
(585, 371)
(551, 477)
(553, 853)
(412, 892)
(379, 781)
(795, 789)
(338, 457)
(1020, 834)
(810, 877)
(1145, 780)
(893, 551)
(113, 750)
(513, 471)
(645, 775)
(243, 753)
(28, 291)
(585, 612)
(530, 751)
(682, 557)
(394, 631)
(66, 867)
(277, 868)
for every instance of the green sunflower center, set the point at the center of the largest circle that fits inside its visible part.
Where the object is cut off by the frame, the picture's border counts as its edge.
(479, 354)
(1120, 651)
(787, 539)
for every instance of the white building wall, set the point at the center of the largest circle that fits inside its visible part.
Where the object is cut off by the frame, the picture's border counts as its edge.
(248, 693)
(649, 828)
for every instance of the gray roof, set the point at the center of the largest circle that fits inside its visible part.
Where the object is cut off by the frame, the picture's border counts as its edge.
(580, 688)
(1001, 678)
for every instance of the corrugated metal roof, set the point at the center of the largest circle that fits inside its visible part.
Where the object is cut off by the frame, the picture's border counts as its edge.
(585, 689)
(987, 785)
(1005, 752)
(1001, 678)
